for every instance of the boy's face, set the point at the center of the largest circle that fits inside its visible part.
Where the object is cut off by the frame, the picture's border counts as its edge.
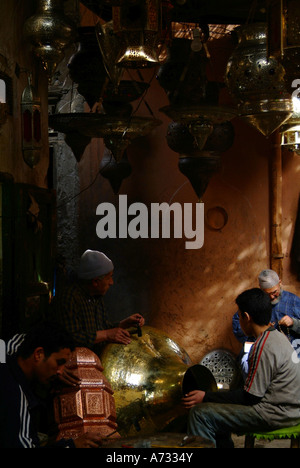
(47, 368)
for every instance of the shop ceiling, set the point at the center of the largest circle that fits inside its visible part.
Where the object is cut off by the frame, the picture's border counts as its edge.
(200, 11)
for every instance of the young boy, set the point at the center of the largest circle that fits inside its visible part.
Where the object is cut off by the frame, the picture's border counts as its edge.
(270, 398)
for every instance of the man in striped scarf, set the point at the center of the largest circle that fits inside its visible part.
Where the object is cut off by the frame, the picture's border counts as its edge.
(270, 398)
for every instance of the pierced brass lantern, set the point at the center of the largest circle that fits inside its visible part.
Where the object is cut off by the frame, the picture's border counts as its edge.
(284, 36)
(49, 31)
(257, 82)
(138, 26)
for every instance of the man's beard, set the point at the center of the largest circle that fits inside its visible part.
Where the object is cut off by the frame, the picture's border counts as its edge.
(277, 299)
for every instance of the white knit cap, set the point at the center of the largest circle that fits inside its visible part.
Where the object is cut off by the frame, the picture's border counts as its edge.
(268, 279)
(93, 264)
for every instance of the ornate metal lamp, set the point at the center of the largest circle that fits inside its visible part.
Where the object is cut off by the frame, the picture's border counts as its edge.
(194, 101)
(49, 31)
(115, 171)
(117, 132)
(200, 165)
(137, 25)
(284, 36)
(257, 82)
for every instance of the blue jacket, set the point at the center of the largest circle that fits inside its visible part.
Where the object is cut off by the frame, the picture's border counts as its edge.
(289, 304)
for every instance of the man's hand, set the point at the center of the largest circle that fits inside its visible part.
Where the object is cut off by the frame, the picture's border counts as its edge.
(68, 377)
(193, 398)
(286, 321)
(118, 335)
(135, 320)
(88, 440)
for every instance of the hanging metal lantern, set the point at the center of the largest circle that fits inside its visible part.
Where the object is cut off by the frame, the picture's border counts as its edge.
(138, 27)
(284, 36)
(31, 125)
(199, 166)
(115, 171)
(194, 101)
(180, 139)
(200, 119)
(256, 82)
(49, 31)
(117, 132)
(200, 169)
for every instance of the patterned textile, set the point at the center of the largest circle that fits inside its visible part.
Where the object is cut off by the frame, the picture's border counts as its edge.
(82, 315)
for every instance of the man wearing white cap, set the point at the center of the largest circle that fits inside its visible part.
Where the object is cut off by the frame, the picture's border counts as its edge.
(285, 314)
(81, 308)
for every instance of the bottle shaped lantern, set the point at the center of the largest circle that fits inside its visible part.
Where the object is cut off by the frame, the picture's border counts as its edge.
(257, 82)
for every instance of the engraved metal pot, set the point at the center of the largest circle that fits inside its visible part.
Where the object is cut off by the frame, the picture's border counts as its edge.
(200, 165)
(149, 377)
(257, 82)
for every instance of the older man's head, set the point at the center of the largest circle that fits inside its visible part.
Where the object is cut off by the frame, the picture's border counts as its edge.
(270, 282)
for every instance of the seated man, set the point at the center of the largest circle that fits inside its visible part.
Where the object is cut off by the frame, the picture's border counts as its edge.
(270, 398)
(285, 315)
(38, 360)
(81, 309)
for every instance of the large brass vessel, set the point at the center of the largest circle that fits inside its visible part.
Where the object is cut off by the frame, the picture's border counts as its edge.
(149, 377)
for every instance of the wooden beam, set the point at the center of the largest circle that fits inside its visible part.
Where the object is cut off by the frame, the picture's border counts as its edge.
(276, 255)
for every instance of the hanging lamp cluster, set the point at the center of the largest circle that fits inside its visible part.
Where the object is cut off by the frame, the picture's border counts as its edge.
(258, 75)
(284, 44)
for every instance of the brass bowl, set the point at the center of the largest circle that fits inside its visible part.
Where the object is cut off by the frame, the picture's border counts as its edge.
(149, 377)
